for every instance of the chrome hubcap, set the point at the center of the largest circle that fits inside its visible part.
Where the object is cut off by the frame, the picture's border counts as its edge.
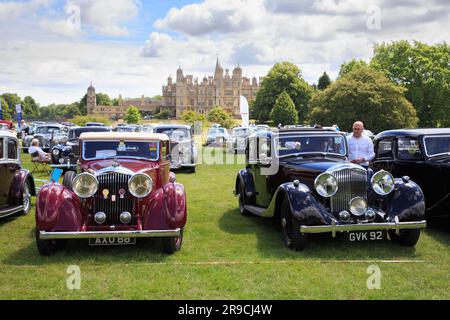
(26, 199)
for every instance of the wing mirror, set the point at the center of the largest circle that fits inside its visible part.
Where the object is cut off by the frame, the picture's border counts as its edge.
(264, 160)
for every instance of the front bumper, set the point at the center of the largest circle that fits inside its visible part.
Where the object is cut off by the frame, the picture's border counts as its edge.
(178, 165)
(110, 234)
(334, 228)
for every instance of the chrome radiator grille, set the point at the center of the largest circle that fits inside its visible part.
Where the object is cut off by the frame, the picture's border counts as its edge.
(352, 183)
(113, 182)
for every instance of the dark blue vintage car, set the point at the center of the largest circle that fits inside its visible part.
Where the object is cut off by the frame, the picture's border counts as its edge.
(66, 153)
(303, 179)
(424, 156)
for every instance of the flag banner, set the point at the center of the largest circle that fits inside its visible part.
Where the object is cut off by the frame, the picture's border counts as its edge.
(19, 115)
(244, 111)
(1, 110)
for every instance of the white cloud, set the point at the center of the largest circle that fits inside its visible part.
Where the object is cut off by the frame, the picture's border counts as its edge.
(14, 9)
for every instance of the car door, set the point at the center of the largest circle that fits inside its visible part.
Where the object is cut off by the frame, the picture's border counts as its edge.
(262, 161)
(384, 155)
(4, 187)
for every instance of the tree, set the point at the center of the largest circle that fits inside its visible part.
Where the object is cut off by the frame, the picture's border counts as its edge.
(283, 76)
(324, 82)
(351, 65)
(190, 116)
(72, 110)
(30, 108)
(220, 116)
(363, 94)
(6, 114)
(133, 115)
(284, 111)
(424, 70)
(12, 99)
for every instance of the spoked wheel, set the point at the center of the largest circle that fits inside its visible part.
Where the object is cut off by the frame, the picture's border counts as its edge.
(290, 227)
(26, 198)
(49, 247)
(172, 244)
(407, 238)
(242, 201)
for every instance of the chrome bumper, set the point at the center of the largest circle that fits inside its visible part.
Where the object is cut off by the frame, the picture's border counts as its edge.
(396, 225)
(109, 234)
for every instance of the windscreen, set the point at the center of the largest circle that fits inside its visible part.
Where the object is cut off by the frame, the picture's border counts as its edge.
(177, 134)
(437, 145)
(311, 144)
(127, 149)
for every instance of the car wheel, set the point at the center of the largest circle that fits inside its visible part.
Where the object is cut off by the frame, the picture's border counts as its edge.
(290, 228)
(26, 198)
(407, 238)
(68, 179)
(242, 201)
(192, 169)
(172, 244)
(49, 247)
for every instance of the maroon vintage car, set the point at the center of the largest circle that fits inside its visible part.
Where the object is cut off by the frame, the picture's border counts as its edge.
(125, 191)
(17, 184)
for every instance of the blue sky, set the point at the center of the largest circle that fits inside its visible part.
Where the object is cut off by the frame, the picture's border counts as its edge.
(130, 47)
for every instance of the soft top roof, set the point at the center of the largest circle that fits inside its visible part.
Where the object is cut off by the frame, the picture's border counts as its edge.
(140, 136)
(8, 134)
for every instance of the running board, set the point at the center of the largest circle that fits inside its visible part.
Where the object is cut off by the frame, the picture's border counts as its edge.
(254, 209)
(10, 211)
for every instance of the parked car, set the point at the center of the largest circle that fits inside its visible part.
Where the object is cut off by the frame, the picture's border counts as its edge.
(236, 142)
(48, 135)
(33, 126)
(125, 191)
(217, 136)
(148, 128)
(65, 153)
(6, 125)
(129, 128)
(183, 149)
(17, 184)
(424, 156)
(302, 177)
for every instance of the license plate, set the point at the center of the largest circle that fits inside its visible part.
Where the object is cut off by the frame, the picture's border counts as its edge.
(366, 236)
(111, 241)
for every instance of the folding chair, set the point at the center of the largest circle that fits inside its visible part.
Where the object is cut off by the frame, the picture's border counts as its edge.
(38, 163)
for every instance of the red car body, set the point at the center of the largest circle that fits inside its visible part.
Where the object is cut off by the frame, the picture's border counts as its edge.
(61, 214)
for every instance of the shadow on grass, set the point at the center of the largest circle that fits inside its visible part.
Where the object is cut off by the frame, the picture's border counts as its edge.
(79, 251)
(4, 221)
(320, 247)
(439, 229)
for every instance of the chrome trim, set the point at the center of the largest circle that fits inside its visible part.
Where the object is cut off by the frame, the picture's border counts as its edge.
(352, 182)
(333, 228)
(10, 211)
(110, 234)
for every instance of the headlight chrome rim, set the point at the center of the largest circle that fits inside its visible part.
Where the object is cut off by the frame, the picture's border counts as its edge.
(360, 210)
(76, 189)
(322, 189)
(55, 152)
(147, 190)
(382, 182)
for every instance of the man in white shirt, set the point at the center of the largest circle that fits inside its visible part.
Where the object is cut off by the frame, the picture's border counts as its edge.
(42, 155)
(360, 147)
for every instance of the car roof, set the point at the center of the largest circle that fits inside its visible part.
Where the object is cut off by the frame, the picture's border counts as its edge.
(412, 132)
(169, 126)
(7, 134)
(141, 136)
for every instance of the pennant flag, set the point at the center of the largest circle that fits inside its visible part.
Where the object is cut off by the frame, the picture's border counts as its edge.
(244, 111)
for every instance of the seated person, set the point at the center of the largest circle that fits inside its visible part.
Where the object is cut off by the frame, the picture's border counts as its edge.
(41, 155)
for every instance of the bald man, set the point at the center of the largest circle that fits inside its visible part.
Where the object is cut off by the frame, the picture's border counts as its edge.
(360, 147)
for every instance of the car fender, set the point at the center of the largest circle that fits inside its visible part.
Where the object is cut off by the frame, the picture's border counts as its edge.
(245, 178)
(15, 195)
(304, 206)
(407, 202)
(58, 209)
(166, 208)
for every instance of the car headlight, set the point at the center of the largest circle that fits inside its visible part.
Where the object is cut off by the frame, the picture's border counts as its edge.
(55, 152)
(326, 185)
(85, 185)
(358, 206)
(382, 182)
(140, 185)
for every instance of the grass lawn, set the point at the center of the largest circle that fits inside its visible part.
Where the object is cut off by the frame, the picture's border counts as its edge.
(224, 256)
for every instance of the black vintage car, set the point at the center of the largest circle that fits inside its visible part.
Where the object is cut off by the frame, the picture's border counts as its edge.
(66, 153)
(303, 178)
(424, 156)
(17, 184)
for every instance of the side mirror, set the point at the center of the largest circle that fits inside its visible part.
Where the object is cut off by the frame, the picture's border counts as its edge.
(264, 160)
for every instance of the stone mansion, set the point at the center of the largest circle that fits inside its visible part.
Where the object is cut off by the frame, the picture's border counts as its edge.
(187, 93)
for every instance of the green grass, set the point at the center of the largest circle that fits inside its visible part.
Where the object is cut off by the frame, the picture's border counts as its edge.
(224, 256)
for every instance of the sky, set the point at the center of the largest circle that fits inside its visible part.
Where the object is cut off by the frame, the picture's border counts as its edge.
(53, 49)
